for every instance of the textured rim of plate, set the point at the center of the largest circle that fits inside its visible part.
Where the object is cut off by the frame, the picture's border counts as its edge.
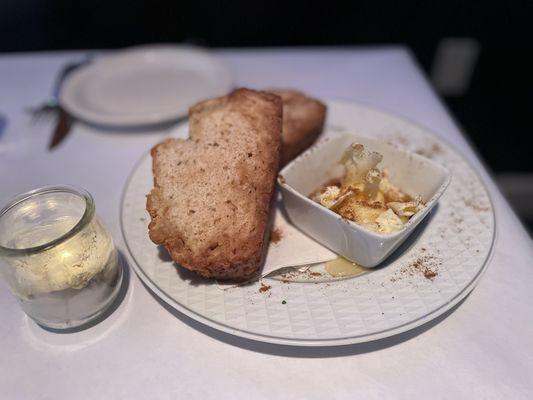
(86, 115)
(412, 324)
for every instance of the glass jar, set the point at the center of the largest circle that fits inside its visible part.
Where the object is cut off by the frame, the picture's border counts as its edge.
(58, 258)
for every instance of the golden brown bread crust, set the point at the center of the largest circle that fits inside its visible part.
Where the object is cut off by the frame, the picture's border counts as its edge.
(303, 121)
(211, 197)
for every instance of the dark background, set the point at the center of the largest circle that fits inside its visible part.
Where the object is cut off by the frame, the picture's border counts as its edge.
(494, 109)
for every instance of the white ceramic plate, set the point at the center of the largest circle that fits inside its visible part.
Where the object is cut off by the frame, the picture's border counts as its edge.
(455, 241)
(144, 85)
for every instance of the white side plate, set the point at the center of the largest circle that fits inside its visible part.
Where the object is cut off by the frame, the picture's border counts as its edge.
(455, 241)
(144, 85)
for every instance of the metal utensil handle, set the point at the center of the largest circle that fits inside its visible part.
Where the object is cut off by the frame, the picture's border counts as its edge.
(67, 69)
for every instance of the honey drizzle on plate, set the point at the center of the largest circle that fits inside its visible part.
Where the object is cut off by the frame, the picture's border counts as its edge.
(341, 267)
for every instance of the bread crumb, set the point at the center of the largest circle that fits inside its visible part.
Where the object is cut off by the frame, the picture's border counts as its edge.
(264, 288)
(276, 235)
(429, 274)
(426, 265)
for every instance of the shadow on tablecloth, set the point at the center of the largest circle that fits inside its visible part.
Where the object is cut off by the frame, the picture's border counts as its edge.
(301, 351)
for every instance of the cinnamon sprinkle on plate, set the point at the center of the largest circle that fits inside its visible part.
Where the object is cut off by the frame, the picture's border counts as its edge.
(264, 288)
(276, 235)
(425, 265)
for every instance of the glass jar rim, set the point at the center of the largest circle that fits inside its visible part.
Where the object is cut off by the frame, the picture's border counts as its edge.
(85, 219)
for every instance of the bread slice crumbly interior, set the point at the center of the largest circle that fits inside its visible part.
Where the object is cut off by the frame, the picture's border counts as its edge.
(212, 192)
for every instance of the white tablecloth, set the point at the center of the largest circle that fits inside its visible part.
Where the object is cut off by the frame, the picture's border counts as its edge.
(483, 349)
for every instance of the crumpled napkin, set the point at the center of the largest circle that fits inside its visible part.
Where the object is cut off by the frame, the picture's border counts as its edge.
(288, 247)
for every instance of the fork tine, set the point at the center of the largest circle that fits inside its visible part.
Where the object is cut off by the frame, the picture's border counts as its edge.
(40, 116)
(52, 115)
(51, 106)
(35, 117)
(43, 117)
(48, 116)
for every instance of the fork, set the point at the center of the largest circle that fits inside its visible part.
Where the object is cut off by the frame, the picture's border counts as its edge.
(51, 105)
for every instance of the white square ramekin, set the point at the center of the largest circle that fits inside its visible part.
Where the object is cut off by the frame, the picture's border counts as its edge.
(413, 174)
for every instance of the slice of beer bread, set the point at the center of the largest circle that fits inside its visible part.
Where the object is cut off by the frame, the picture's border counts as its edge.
(212, 192)
(303, 121)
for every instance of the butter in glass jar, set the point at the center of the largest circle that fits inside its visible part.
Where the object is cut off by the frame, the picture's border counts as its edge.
(57, 257)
